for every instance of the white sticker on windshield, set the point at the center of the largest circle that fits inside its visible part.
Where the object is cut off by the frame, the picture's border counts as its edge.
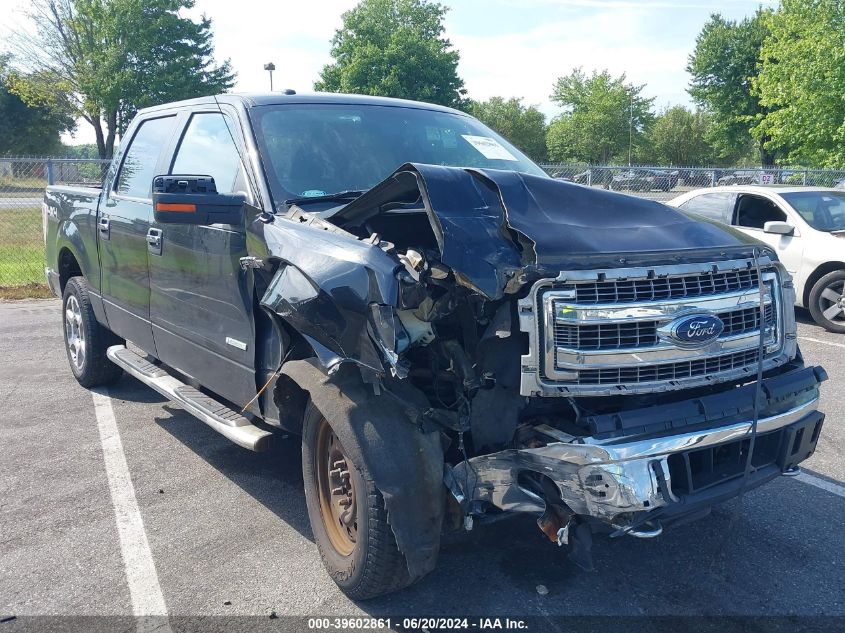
(489, 147)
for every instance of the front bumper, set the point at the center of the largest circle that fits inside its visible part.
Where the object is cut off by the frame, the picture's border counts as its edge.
(628, 479)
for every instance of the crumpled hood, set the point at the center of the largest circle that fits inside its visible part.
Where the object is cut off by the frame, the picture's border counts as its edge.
(493, 224)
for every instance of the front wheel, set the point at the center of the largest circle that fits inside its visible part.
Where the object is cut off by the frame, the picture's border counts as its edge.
(348, 516)
(827, 301)
(86, 341)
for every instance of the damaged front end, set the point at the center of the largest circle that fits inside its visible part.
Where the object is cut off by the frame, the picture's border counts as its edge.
(639, 482)
(533, 330)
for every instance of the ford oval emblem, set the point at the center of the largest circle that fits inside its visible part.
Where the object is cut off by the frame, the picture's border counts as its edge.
(695, 330)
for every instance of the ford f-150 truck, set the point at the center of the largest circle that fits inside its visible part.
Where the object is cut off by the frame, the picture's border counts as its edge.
(455, 336)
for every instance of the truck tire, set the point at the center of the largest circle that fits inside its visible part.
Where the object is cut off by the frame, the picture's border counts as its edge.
(86, 341)
(827, 303)
(348, 516)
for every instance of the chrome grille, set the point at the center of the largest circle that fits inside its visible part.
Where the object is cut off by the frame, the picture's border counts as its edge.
(667, 371)
(621, 330)
(742, 321)
(670, 287)
(606, 335)
(638, 334)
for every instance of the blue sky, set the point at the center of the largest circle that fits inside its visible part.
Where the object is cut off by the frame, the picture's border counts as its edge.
(508, 47)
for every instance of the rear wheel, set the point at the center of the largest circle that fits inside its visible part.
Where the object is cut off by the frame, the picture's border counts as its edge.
(827, 301)
(86, 341)
(348, 516)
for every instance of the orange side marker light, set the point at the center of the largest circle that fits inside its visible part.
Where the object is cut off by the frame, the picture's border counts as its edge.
(176, 206)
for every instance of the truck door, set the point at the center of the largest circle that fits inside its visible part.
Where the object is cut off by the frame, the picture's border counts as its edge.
(201, 302)
(122, 224)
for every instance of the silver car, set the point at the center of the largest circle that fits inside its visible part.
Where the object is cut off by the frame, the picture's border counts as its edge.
(805, 225)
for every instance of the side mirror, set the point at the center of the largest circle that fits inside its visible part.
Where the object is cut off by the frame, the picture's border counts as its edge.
(778, 228)
(194, 200)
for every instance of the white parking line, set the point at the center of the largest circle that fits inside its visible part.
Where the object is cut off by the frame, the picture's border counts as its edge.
(144, 589)
(817, 340)
(824, 484)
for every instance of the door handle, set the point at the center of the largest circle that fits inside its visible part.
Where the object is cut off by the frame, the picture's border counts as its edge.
(154, 241)
(103, 225)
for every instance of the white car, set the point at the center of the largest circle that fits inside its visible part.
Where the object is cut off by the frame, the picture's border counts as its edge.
(805, 225)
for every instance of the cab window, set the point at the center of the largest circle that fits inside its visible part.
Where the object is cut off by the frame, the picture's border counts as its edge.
(207, 149)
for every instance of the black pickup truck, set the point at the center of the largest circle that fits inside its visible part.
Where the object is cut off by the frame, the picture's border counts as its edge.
(455, 336)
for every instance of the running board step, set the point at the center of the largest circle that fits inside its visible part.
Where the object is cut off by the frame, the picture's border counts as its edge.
(226, 421)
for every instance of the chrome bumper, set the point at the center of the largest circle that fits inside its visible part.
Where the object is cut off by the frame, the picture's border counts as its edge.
(604, 478)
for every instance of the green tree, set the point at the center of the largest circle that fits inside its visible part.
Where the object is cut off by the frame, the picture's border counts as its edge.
(28, 128)
(114, 57)
(524, 126)
(802, 82)
(604, 119)
(85, 150)
(723, 67)
(679, 137)
(395, 48)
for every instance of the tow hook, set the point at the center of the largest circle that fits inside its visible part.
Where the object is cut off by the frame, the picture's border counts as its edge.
(640, 530)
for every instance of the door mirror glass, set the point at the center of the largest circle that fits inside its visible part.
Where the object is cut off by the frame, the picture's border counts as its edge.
(189, 199)
(778, 228)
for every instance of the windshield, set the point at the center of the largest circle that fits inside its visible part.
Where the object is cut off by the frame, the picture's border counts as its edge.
(318, 149)
(823, 210)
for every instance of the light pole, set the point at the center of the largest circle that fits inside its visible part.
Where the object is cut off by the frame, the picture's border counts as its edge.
(631, 130)
(270, 68)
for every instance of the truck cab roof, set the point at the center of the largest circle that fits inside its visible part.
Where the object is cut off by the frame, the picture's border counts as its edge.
(258, 99)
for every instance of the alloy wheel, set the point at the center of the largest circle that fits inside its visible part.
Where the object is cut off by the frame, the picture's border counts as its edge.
(75, 332)
(832, 301)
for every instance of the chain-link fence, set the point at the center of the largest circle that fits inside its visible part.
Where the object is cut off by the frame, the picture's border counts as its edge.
(22, 183)
(665, 183)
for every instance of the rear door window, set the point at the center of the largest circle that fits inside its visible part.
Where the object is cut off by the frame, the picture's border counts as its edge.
(136, 175)
(717, 206)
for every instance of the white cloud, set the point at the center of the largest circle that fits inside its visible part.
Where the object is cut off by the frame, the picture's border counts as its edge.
(619, 35)
(293, 35)
(637, 4)
(526, 64)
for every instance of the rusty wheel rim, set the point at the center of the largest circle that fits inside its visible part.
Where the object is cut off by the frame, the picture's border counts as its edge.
(338, 505)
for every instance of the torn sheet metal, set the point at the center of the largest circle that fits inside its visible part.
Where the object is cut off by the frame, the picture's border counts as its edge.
(324, 285)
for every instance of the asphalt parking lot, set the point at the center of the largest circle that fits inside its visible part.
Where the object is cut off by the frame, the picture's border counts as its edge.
(228, 532)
